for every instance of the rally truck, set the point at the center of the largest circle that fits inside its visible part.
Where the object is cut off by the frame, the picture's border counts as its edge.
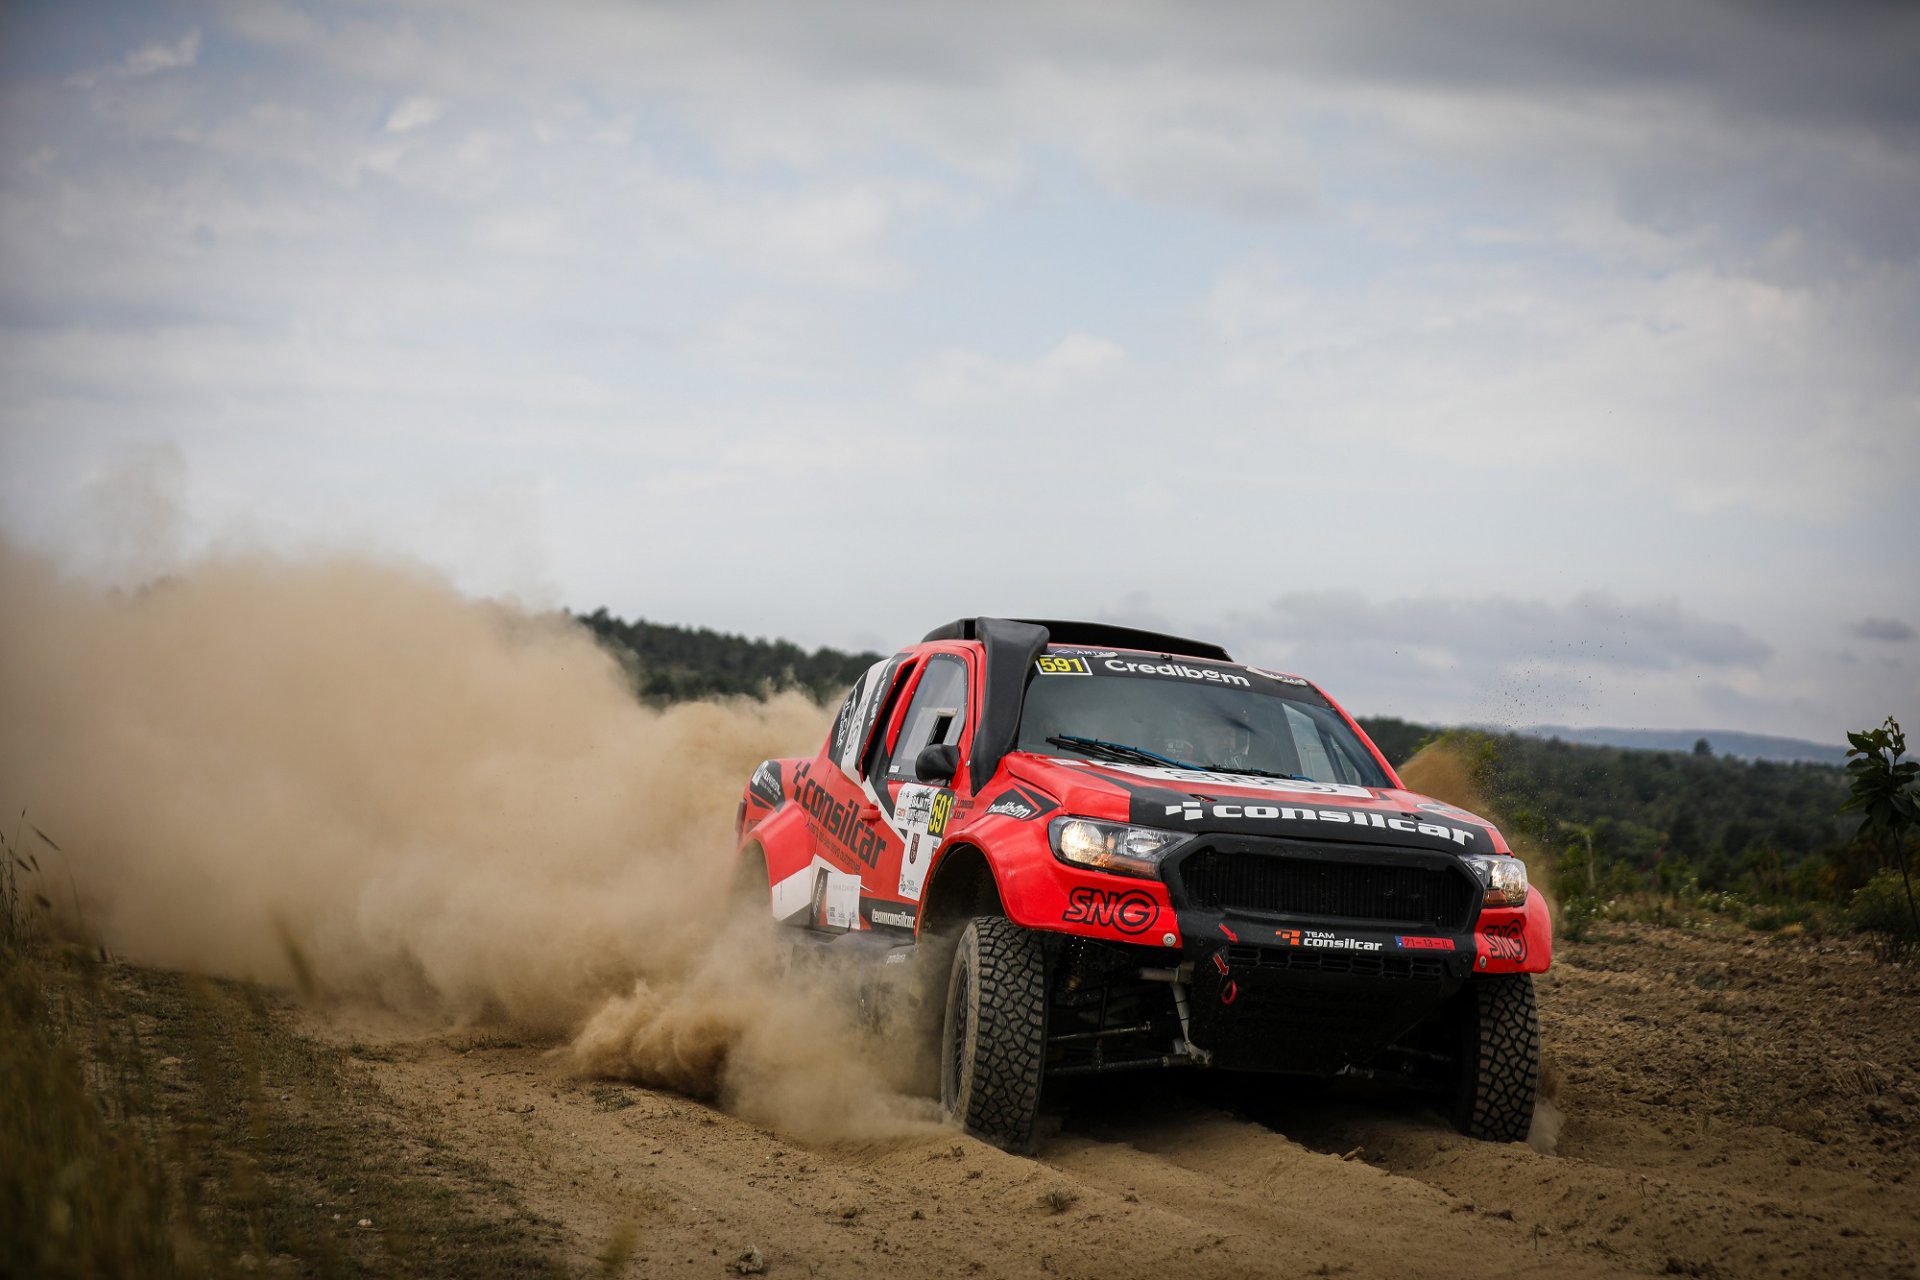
(1108, 849)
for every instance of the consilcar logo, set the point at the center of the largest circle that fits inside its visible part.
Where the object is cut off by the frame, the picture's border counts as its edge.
(1323, 941)
(1194, 811)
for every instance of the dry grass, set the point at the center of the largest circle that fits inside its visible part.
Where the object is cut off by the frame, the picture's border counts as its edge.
(163, 1125)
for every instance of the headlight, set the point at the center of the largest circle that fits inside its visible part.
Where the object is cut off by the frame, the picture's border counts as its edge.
(1504, 879)
(1112, 846)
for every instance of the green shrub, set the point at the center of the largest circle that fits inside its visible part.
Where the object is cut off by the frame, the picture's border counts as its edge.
(1577, 914)
(1879, 910)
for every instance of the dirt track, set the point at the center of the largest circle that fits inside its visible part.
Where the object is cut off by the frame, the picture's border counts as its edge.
(1733, 1106)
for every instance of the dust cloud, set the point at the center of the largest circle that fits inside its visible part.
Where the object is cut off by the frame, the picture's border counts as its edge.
(1444, 769)
(256, 765)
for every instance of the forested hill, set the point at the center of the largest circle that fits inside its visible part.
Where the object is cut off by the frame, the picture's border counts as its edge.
(667, 663)
(1759, 826)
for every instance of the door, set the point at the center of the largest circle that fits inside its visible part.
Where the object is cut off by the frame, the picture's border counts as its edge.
(846, 826)
(937, 714)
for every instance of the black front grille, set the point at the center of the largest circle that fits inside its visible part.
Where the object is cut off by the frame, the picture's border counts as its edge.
(1430, 896)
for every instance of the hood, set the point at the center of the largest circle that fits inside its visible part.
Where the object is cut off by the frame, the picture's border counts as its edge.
(1247, 804)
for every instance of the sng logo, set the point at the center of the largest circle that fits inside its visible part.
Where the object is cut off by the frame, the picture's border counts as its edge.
(1129, 912)
(1506, 942)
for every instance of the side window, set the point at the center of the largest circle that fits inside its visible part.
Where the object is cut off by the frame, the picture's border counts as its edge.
(1326, 758)
(937, 714)
(876, 752)
(1307, 741)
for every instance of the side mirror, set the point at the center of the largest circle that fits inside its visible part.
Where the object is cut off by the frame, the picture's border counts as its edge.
(937, 763)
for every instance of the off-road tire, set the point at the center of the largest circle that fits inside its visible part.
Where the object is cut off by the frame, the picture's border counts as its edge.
(994, 1037)
(1499, 1059)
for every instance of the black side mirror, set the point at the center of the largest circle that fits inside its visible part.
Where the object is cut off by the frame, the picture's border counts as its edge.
(937, 763)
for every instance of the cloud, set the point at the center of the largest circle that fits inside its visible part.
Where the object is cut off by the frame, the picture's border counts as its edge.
(416, 112)
(958, 376)
(1593, 629)
(1891, 630)
(147, 60)
(1591, 658)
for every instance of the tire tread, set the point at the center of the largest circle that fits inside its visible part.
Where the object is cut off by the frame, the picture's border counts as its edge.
(1501, 1060)
(1008, 1020)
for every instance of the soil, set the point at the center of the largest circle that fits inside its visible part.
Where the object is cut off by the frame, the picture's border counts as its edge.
(1726, 1104)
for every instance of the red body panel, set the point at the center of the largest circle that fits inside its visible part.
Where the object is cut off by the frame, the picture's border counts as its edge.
(834, 820)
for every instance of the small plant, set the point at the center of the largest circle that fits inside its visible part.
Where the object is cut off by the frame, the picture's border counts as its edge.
(1880, 910)
(1578, 911)
(1884, 794)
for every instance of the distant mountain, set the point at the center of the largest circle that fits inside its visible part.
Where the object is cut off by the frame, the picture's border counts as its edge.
(1725, 742)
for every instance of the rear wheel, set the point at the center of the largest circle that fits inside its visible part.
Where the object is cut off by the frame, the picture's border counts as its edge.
(1499, 1059)
(993, 1041)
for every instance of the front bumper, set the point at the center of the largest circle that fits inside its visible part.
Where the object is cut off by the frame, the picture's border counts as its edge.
(1299, 997)
(1294, 967)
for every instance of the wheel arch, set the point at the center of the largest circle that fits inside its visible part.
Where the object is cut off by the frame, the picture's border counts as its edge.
(961, 886)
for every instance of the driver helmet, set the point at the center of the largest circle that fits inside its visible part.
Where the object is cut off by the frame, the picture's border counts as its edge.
(1219, 740)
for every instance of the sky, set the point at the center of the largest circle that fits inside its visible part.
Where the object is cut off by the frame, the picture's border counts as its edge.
(1486, 362)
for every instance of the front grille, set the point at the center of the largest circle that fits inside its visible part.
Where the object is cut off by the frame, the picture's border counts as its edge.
(1274, 883)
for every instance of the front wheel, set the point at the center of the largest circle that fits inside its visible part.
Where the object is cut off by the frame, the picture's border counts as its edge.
(994, 1037)
(1499, 1059)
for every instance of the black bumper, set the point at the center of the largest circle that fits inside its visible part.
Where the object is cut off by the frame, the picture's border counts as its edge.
(1277, 988)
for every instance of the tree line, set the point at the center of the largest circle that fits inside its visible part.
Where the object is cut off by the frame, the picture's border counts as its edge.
(672, 664)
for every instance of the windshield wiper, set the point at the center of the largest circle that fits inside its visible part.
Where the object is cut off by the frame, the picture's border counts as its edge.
(1118, 750)
(1249, 769)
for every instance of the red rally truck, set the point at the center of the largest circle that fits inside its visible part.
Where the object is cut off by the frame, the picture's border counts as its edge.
(1118, 850)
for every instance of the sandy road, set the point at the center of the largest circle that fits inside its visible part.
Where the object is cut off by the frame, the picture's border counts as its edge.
(1734, 1106)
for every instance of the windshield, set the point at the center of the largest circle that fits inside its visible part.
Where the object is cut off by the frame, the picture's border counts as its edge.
(1084, 703)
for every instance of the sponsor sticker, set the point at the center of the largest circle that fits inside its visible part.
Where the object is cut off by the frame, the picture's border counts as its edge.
(1196, 811)
(1016, 803)
(766, 786)
(1506, 941)
(839, 823)
(1061, 664)
(1315, 938)
(886, 915)
(1275, 675)
(1130, 912)
(1210, 675)
(920, 815)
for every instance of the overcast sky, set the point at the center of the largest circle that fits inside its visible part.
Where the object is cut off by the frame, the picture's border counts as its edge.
(1514, 362)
